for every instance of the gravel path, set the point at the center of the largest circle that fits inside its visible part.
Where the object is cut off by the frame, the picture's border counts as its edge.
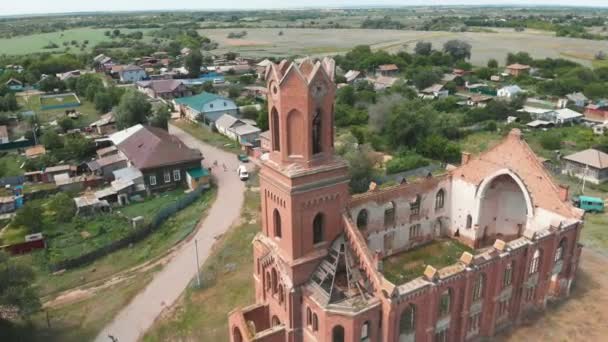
(168, 284)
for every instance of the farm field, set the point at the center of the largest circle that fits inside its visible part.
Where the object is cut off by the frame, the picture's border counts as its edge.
(266, 42)
(35, 43)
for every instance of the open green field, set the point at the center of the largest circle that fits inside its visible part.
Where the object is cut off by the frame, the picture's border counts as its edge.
(10, 164)
(35, 43)
(33, 102)
(65, 99)
(261, 42)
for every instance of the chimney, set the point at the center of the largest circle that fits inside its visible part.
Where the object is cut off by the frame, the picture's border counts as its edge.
(465, 157)
(564, 192)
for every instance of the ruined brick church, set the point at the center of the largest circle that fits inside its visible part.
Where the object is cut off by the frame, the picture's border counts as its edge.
(329, 266)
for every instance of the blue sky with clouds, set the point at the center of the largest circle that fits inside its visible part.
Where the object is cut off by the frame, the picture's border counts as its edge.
(9, 7)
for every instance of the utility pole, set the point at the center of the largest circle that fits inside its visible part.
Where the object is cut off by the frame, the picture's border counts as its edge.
(198, 268)
(584, 179)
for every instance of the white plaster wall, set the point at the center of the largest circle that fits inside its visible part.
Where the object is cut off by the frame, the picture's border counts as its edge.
(463, 204)
(503, 207)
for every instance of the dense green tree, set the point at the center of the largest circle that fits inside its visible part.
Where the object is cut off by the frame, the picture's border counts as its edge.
(161, 117)
(439, 148)
(103, 102)
(29, 217)
(596, 90)
(423, 48)
(52, 83)
(51, 140)
(361, 168)
(133, 109)
(346, 95)
(60, 208)
(66, 123)
(550, 141)
(458, 49)
(492, 63)
(17, 286)
(409, 122)
(484, 73)
(193, 62)
(425, 78)
(76, 146)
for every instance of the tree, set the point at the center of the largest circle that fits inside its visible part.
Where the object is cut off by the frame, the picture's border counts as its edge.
(550, 141)
(492, 63)
(425, 78)
(409, 122)
(596, 90)
(194, 62)
(29, 217)
(361, 167)
(103, 102)
(51, 140)
(234, 92)
(133, 109)
(61, 208)
(16, 286)
(116, 33)
(484, 73)
(161, 117)
(66, 123)
(440, 148)
(76, 146)
(346, 95)
(423, 48)
(52, 83)
(458, 49)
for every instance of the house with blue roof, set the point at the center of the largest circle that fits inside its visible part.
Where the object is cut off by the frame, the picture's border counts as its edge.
(210, 106)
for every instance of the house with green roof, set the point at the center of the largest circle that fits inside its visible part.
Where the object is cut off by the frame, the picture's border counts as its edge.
(211, 106)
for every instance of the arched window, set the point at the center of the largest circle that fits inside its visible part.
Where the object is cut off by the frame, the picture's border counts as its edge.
(236, 335)
(276, 219)
(389, 214)
(365, 331)
(507, 277)
(445, 303)
(316, 133)
(281, 294)
(469, 221)
(362, 219)
(317, 228)
(337, 334)
(407, 321)
(479, 286)
(274, 124)
(439, 199)
(275, 321)
(268, 281)
(559, 252)
(308, 317)
(535, 262)
(315, 322)
(415, 206)
(275, 281)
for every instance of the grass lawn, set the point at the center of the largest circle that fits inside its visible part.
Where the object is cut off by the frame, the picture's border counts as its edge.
(479, 141)
(68, 98)
(409, 265)
(595, 232)
(23, 45)
(203, 134)
(172, 231)
(80, 320)
(10, 164)
(86, 108)
(202, 314)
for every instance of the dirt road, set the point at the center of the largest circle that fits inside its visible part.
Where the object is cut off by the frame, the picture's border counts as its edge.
(169, 283)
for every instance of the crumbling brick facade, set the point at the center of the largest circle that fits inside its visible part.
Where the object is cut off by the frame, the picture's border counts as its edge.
(319, 260)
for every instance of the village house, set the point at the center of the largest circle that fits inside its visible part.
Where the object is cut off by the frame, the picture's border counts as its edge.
(209, 106)
(107, 151)
(435, 91)
(590, 164)
(69, 74)
(52, 171)
(132, 74)
(517, 69)
(7, 204)
(106, 165)
(4, 135)
(579, 99)
(478, 100)
(597, 112)
(260, 68)
(164, 89)
(105, 125)
(255, 91)
(237, 129)
(352, 76)
(509, 92)
(336, 267)
(383, 82)
(558, 116)
(14, 84)
(162, 158)
(35, 151)
(389, 70)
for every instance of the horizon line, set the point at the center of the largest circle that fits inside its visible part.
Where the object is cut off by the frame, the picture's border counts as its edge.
(300, 8)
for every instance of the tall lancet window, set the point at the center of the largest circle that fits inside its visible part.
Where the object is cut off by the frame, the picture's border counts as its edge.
(316, 133)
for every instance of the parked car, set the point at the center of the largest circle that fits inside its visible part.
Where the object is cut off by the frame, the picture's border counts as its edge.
(243, 173)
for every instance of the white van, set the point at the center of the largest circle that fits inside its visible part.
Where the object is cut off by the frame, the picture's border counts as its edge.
(242, 172)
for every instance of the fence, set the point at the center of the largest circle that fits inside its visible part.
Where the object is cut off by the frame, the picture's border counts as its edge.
(62, 105)
(16, 144)
(138, 234)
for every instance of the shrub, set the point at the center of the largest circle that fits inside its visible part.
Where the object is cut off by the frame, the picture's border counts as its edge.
(405, 162)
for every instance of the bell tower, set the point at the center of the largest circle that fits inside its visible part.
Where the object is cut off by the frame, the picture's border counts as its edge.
(304, 186)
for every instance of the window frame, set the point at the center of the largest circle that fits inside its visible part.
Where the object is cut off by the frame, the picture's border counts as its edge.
(167, 177)
(177, 172)
(152, 180)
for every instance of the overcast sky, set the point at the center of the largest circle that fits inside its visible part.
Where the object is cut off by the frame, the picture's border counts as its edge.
(9, 7)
